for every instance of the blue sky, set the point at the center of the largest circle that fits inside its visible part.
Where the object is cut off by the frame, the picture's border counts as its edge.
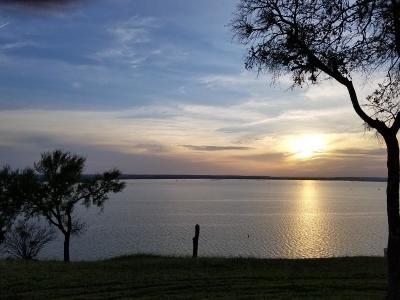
(127, 46)
(159, 86)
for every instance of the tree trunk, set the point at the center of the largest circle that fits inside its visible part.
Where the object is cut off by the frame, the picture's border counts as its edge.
(67, 238)
(392, 193)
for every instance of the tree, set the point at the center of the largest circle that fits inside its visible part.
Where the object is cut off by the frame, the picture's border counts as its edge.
(15, 188)
(27, 239)
(317, 39)
(61, 186)
(9, 208)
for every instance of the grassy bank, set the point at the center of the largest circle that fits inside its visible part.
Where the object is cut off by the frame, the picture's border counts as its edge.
(151, 277)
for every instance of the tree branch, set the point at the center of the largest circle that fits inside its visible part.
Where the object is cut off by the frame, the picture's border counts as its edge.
(396, 21)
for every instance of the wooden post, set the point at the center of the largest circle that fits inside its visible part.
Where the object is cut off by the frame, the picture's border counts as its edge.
(196, 240)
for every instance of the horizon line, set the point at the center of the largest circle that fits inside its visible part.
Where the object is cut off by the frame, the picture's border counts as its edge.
(254, 177)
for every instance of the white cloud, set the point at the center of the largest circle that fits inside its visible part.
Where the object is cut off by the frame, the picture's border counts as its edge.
(126, 37)
(136, 30)
(18, 44)
(246, 79)
(327, 91)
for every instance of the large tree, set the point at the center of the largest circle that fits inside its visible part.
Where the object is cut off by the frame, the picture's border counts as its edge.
(61, 186)
(316, 39)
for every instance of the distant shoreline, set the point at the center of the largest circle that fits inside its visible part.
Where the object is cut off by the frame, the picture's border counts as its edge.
(242, 177)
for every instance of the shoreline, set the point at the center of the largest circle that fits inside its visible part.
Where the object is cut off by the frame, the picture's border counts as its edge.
(185, 257)
(243, 177)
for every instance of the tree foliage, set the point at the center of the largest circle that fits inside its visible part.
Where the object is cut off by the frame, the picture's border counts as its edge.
(8, 207)
(310, 39)
(62, 186)
(15, 188)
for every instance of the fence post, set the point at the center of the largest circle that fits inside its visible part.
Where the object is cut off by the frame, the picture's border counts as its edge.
(196, 240)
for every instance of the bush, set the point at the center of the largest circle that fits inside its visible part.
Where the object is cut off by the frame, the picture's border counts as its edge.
(27, 239)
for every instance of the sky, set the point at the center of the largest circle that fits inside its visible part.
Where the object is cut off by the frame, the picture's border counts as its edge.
(159, 87)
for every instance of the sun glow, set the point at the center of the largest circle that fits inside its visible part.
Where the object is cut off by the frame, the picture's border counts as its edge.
(307, 146)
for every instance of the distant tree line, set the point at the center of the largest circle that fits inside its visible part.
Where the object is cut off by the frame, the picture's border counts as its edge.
(49, 191)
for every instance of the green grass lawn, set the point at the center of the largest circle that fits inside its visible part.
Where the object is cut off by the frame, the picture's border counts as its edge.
(152, 277)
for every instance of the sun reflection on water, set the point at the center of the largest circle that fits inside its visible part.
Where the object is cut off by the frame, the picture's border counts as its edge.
(310, 236)
(309, 195)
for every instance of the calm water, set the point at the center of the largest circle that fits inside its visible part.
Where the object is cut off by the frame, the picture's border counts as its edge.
(291, 219)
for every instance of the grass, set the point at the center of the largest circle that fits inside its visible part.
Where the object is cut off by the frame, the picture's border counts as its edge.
(154, 277)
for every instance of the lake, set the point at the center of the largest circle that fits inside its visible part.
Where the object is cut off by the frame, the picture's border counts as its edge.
(257, 218)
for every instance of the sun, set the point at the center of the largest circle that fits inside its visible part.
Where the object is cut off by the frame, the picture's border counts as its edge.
(307, 146)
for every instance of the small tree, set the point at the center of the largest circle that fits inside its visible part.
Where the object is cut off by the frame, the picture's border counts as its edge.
(27, 239)
(61, 187)
(316, 39)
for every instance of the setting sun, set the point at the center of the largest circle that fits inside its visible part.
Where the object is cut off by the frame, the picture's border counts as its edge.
(305, 147)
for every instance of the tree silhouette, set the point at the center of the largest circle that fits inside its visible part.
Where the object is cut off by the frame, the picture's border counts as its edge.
(15, 188)
(316, 39)
(9, 208)
(27, 239)
(61, 186)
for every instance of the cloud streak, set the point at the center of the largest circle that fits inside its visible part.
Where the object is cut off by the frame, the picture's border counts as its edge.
(208, 148)
(183, 134)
